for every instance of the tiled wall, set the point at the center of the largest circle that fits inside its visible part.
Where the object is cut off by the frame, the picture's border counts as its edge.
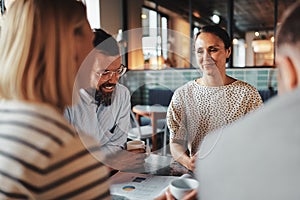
(138, 82)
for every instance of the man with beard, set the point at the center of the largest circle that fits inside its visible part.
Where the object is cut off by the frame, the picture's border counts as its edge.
(104, 108)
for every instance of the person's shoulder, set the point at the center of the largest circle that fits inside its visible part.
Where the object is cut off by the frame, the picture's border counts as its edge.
(121, 95)
(184, 90)
(122, 91)
(244, 87)
(184, 87)
(122, 88)
(262, 121)
(44, 119)
(34, 111)
(76, 141)
(86, 96)
(244, 84)
(286, 102)
(85, 141)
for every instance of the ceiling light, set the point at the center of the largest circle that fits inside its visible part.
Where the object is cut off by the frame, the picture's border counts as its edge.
(216, 19)
(143, 16)
(262, 46)
(196, 14)
(235, 41)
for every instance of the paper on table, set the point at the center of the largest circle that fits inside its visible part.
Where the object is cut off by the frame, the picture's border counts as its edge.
(138, 186)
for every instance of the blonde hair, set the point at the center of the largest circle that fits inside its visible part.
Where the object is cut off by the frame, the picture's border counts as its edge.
(37, 41)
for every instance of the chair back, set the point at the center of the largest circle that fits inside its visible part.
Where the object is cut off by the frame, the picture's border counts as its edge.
(135, 124)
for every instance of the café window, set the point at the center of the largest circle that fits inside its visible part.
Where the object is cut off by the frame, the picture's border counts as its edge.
(155, 38)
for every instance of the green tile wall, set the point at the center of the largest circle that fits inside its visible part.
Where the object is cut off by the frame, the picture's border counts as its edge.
(138, 82)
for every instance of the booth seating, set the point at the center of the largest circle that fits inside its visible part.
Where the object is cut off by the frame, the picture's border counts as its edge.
(158, 96)
(163, 97)
(267, 94)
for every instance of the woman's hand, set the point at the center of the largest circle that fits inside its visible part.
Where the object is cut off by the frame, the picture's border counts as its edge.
(179, 154)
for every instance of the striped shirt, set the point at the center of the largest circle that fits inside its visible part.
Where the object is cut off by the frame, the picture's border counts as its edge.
(41, 156)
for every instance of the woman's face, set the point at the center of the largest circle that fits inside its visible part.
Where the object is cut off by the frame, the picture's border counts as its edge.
(211, 53)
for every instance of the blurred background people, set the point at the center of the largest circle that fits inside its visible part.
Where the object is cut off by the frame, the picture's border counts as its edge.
(209, 102)
(43, 43)
(259, 156)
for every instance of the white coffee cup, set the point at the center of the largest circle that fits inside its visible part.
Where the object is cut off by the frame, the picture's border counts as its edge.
(182, 186)
(135, 145)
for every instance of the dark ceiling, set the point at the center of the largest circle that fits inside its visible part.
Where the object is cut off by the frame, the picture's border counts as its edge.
(249, 15)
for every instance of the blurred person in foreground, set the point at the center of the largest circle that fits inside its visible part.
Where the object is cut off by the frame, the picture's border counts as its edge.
(209, 102)
(259, 156)
(104, 107)
(43, 43)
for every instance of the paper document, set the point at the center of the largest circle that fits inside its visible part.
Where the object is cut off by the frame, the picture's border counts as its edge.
(135, 186)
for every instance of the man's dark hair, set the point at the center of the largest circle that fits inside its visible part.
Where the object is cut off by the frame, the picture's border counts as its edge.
(105, 43)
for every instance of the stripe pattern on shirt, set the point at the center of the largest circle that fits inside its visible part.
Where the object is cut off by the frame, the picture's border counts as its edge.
(41, 156)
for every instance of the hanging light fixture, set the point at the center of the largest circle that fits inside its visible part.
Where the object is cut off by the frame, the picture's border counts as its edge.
(216, 19)
(262, 45)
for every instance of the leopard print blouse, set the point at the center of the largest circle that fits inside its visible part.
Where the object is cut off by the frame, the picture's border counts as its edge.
(196, 110)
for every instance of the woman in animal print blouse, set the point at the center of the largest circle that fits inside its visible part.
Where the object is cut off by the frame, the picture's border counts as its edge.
(209, 102)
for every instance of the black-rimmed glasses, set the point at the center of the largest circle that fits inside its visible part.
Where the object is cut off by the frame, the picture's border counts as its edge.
(107, 74)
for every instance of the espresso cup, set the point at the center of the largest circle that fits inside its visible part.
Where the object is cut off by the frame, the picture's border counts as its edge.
(182, 186)
(136, 146)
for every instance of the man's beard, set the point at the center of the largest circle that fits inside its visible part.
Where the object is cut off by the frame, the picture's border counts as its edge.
(103, 97)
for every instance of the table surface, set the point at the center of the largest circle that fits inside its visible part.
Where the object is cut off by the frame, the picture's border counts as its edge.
(150, 109)
(163, 166)
(156, 165)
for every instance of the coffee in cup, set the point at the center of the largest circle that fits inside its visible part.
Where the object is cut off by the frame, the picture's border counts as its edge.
(136, 146)
(182, 186)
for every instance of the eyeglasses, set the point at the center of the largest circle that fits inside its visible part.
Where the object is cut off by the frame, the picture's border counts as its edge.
(106, 75)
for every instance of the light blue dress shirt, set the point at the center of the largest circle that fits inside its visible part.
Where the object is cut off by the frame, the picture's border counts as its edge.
(108, 124)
